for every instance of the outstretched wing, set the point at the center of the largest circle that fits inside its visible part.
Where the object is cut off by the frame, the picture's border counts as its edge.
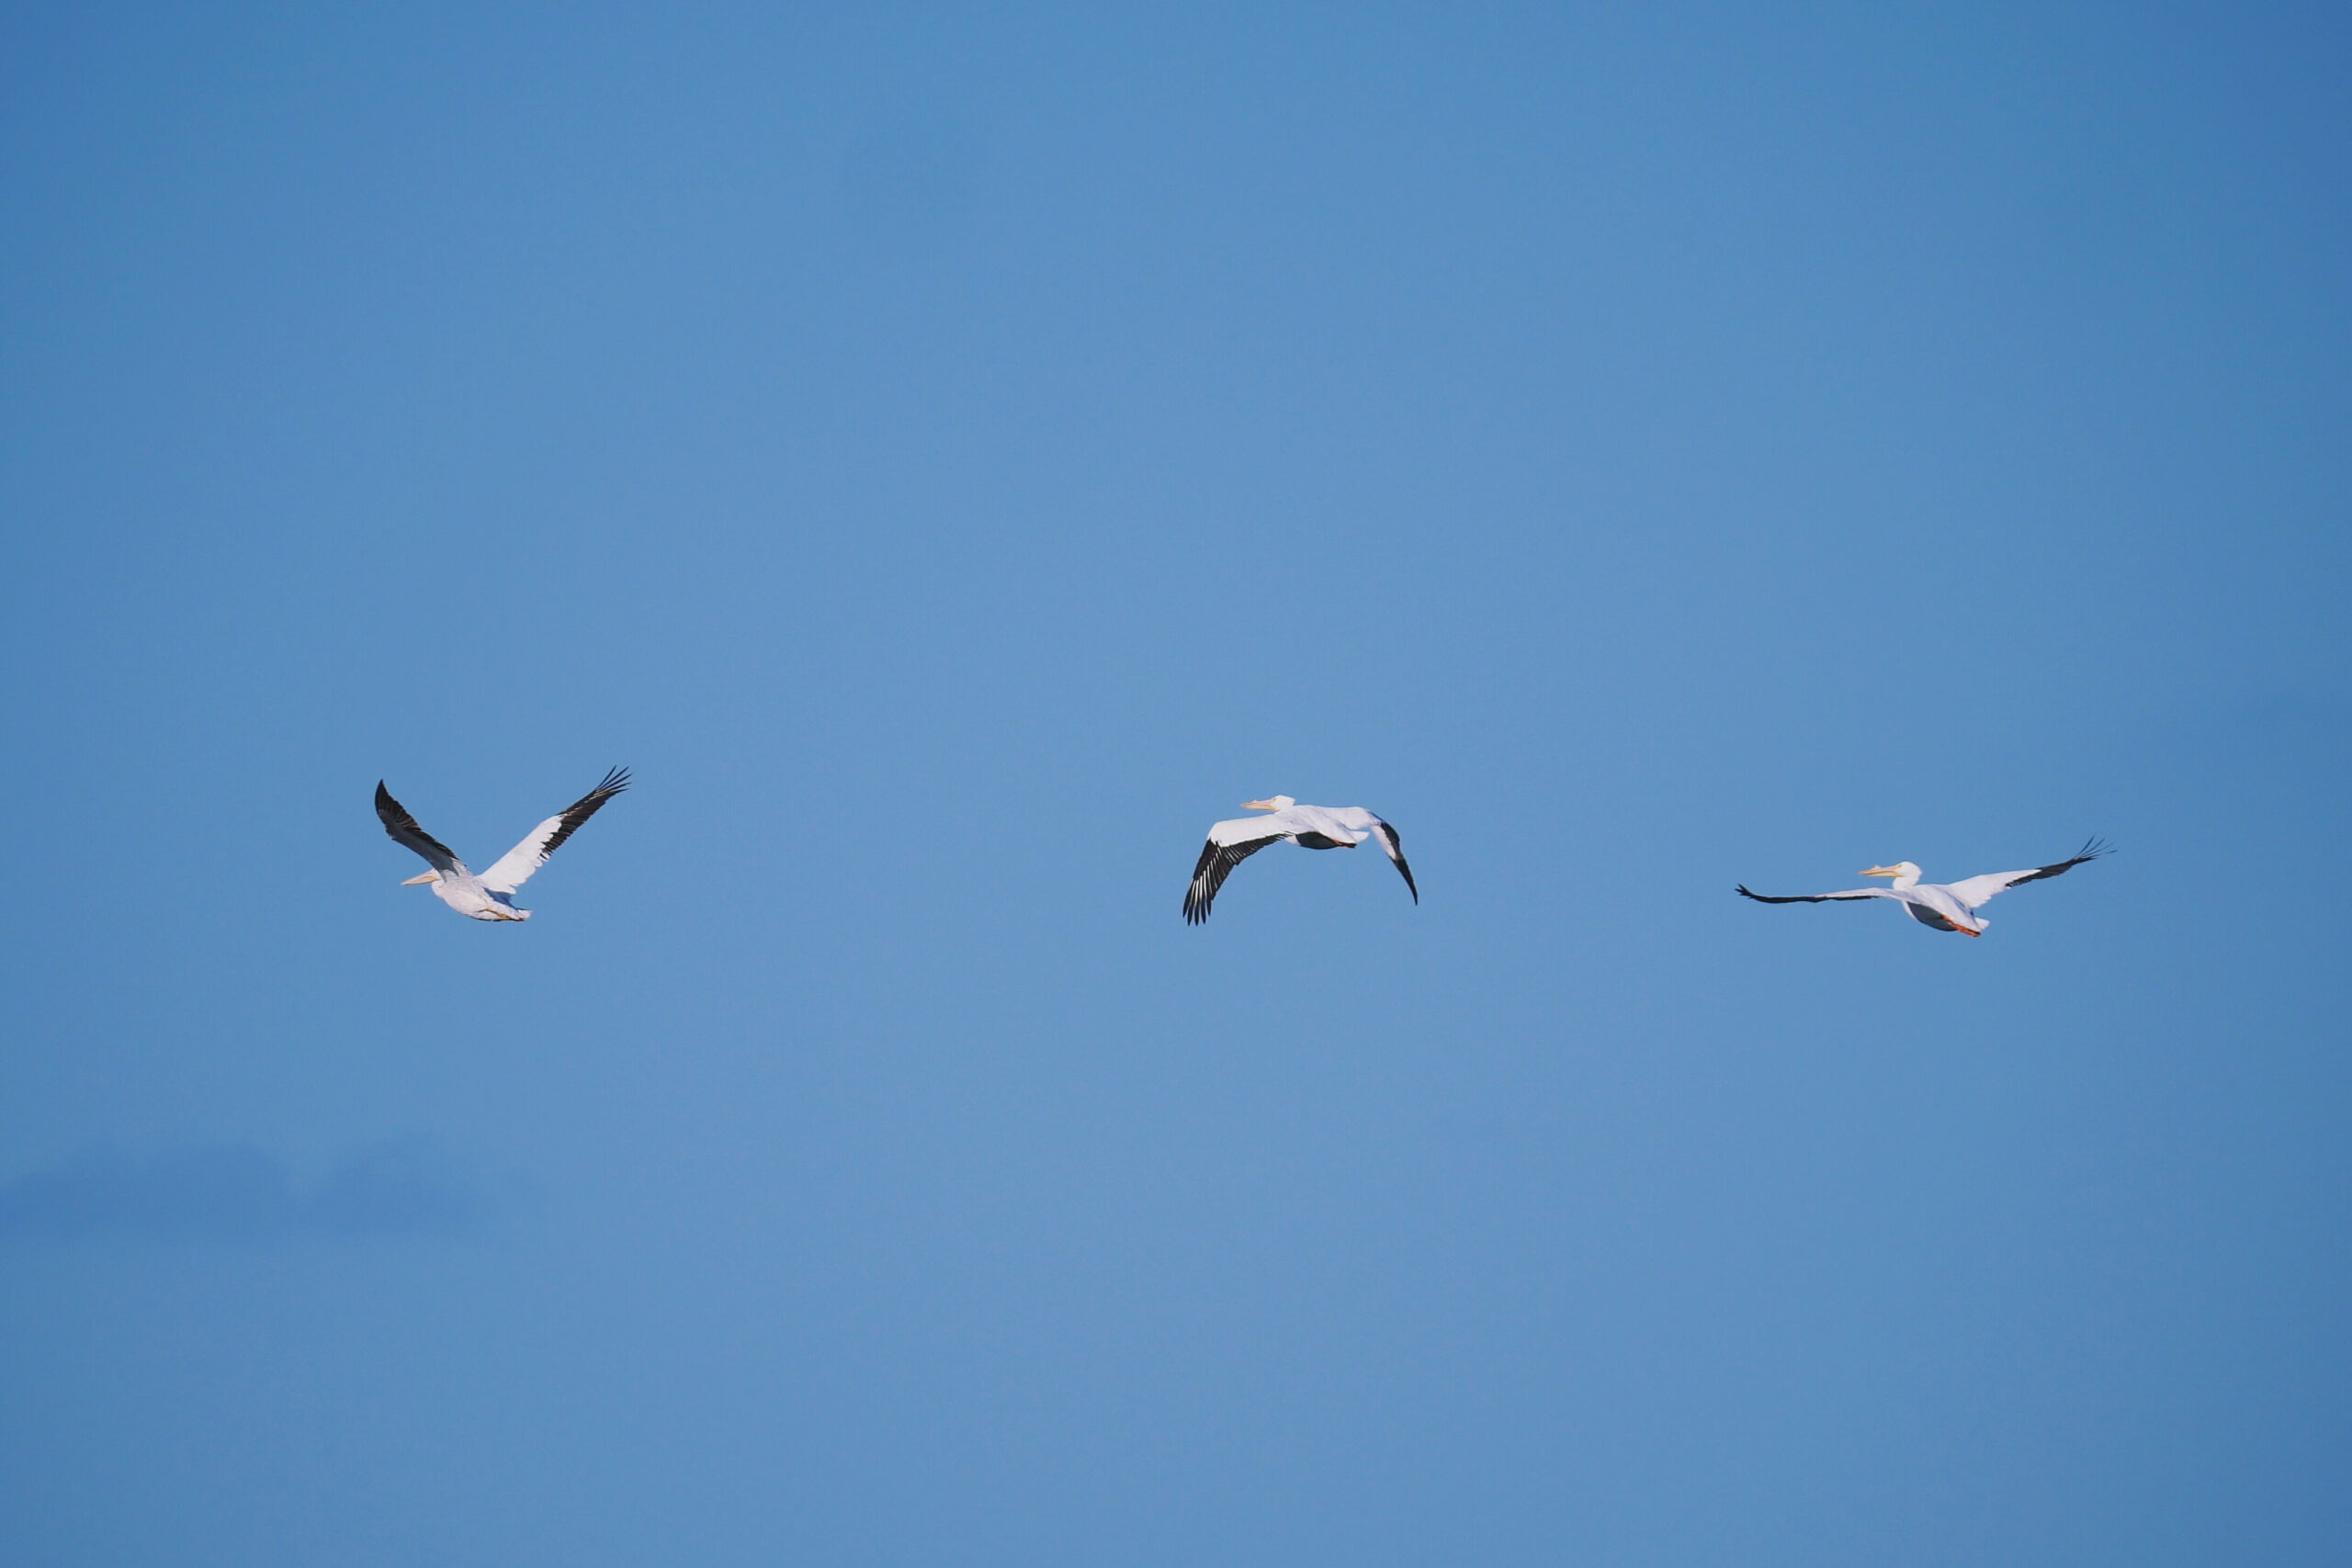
(1396, 848)
(515, 867)
(1817, 897)
(1357, 818)
(403, 831)
(1216, 863)
(1976, 890)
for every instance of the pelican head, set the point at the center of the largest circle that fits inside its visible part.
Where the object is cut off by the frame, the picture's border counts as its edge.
(1904, 873)
(419, 881)
(1271, 803)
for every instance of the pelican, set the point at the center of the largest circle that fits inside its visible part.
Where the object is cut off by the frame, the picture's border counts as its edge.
(491, 895)
(1310, 827)
(1945, 906)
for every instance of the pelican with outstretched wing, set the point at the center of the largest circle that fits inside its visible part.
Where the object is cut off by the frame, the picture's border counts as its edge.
(1309, 826)
(1945, 906)
(491, 895)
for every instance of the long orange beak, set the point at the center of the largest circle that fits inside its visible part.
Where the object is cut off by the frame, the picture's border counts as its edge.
(1257, 805)
(1881, 871)
(428, 876)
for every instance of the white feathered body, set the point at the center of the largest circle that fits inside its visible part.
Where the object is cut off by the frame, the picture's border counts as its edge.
(1925, 900)
(470, 896)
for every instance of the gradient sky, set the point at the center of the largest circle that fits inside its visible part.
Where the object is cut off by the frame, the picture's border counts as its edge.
(955, 454)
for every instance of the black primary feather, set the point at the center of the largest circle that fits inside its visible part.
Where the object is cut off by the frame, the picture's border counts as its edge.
(1800, 898)
(1397, 853)
(1216, 863)
(587, 806)
(2093, 848)
(403, 831)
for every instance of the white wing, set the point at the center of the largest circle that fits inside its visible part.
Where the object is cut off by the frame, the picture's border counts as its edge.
(1249, 829)
(1391, 844)
(515, 867)
(1978, 890)
(1220, 855)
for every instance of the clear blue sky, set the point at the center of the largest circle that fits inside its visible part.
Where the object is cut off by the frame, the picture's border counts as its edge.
(954, 455)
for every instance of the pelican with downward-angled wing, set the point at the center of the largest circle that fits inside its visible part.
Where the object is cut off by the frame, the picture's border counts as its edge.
(1309, 826)
(1945, 906)
(491, 895)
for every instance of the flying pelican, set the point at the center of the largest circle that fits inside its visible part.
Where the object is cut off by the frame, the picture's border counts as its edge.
(1945, 906)
(491, 895)
(1310, 827)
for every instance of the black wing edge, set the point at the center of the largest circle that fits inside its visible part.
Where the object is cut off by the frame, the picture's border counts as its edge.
(1216, 863)
(2093, 848)
(402, 828)
(1397, 853)
(1800, 898)
(587, 806)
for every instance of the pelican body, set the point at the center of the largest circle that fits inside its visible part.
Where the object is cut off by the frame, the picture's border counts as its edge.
(491, 895)
(1943, 906)
(1309, 826)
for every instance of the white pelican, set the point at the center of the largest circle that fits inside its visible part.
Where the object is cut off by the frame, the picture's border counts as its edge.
(1311, 827)
(1945, 906)
(491, 895)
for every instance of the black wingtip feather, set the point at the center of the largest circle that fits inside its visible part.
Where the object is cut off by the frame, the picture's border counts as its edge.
(1396, 842)
(1216, 863)
(1801, 898)
(2093, 848)
(402, 827)
(616, 780)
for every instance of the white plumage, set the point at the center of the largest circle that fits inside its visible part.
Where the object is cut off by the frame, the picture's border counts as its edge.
(1310, 827)
(1945, 906)
(489, 897)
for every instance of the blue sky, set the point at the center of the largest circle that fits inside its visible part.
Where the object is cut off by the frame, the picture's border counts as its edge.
(954, 455)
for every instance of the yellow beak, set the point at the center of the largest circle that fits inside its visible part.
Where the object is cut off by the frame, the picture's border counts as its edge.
(428, 876)
(1881, 871)
(1257, 805)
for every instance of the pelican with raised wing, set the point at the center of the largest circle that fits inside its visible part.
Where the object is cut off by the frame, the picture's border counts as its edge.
(1309, 826)
(1945, 906)
(491, 895)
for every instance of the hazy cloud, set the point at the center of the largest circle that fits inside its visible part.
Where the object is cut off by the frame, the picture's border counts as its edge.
(234, 1192)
